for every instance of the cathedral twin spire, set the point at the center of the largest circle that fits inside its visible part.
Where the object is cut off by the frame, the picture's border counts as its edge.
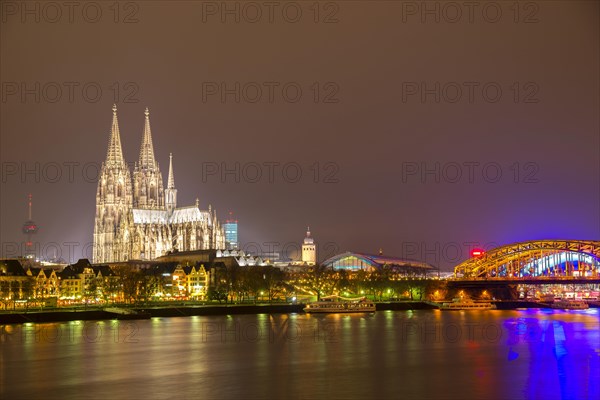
(147, 178)
(133, 213)
(147, 160)
(114, 156)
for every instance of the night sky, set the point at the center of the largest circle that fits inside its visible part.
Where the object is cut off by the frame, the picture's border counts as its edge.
(385, 93)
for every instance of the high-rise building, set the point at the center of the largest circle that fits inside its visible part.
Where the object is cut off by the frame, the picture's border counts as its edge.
(309, 249)
(231, 233)
(137, 219)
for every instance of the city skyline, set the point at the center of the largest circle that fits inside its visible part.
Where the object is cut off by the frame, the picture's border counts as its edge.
(376, 170)
(444, 252)
(355, 199)
(441, 253)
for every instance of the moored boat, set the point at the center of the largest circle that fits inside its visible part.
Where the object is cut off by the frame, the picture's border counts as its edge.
(337, 304)
(126, 314)
(570, 304)
(465, 304)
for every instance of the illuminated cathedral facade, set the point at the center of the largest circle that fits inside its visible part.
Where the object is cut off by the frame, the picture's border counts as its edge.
(137, 218)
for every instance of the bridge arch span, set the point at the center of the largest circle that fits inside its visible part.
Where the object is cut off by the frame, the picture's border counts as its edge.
(540, 258)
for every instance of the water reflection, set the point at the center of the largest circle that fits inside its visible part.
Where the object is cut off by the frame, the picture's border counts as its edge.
(548, 354)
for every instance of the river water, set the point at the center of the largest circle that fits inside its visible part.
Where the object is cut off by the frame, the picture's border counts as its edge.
(427, 354)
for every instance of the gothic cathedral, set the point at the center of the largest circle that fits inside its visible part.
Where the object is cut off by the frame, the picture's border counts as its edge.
(139, 219)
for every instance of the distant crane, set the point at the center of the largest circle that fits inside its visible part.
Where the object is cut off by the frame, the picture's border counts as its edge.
(29, 229)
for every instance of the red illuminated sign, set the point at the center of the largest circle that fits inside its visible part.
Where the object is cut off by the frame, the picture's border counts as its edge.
(477, 253)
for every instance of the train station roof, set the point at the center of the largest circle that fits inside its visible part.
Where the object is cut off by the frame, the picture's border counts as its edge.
(355, 260)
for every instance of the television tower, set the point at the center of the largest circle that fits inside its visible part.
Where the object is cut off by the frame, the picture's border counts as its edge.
(29, 229)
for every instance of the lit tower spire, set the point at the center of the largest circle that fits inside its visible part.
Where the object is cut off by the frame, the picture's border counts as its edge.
(113, 199)
(147, 178)
(30, 198)
(147, 160)
(171, 181)
(115, 153)
(309, 249)
(308, 239)
(29, 228)
(170, 191)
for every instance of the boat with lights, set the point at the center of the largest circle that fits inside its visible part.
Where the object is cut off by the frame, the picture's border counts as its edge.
(338, 304)
(465, 304)
(569, 304)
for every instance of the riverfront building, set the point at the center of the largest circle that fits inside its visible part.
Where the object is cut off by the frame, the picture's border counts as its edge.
(14, 283)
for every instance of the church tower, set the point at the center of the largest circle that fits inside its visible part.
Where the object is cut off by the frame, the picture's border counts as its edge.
(113, 201)
(147, 178)
(171, 192)
(309, 249)
(138, 218)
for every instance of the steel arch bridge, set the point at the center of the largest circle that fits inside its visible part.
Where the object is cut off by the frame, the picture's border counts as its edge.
(540, 258)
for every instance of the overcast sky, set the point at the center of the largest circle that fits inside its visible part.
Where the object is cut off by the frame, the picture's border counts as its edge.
(370, 121)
